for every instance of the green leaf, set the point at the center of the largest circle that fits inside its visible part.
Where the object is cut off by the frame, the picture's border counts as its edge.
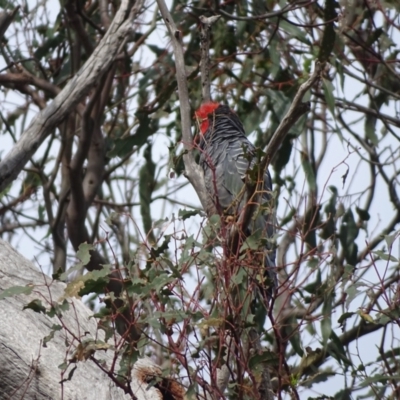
(128, 358)
(48, 46)
(315, 287)
(280, 105)
(284, 153)
(344, 317)
(239, 277)
(378, 378)
(35, 305)
(55, 328)
(175, 316)
(329, 35)
(326, 322)
(267, 357)
(158, 283)
(147, 184)
(58, 308)
(95, 285)
(288, 217)
(329, 227)
(370, 130)
(308, 170)
(393, 353)
(329, 97)
(318, 377)
(383, 256)
(63, 366)
(352, 292)
(311, 222)
(252, 242)
(387, 315)
(185, 214)
(348, 234)
(155, 252)
(348, 272)
(83, 254)
(363, 214)
(292, 331)
(192, 391)
(337, 350)
(70, 375)
(158, 51)
(15, 291)
(250, 114)
(294, 31)
(147, 127)
(391, 238)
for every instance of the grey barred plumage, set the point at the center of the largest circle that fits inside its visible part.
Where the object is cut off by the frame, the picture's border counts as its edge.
(226, 157)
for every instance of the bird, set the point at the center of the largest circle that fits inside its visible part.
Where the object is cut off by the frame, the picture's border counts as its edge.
(227, 157)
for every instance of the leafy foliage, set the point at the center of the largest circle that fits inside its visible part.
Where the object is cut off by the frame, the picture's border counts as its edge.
(101, 190)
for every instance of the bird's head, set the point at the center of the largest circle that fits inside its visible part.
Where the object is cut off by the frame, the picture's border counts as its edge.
(202, 114)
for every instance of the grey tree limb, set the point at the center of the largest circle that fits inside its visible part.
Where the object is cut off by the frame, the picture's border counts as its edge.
(45, 121)
(30, 370)
(193, 172)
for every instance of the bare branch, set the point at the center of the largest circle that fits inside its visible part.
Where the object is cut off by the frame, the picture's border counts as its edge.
(205, 30)
(286, 9)
(192, 171)
(348, 105)
(296, 110)
(12, 79)
(98, 63)
(5, 20)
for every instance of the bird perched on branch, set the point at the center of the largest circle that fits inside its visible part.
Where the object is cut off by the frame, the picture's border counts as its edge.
(229, 161)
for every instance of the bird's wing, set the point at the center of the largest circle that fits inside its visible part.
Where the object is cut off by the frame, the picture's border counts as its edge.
(239, 159)
(225, 168)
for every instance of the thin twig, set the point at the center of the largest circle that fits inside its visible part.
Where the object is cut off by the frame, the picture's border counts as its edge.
(205, 30)
(272, 14)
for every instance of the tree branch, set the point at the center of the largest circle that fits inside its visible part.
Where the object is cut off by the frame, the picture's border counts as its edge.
(193, 172)
(76, 23)
(5, 20)
(205, 30)
(98, 63)
(12, 79)
(296, 110)
(286, 9)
